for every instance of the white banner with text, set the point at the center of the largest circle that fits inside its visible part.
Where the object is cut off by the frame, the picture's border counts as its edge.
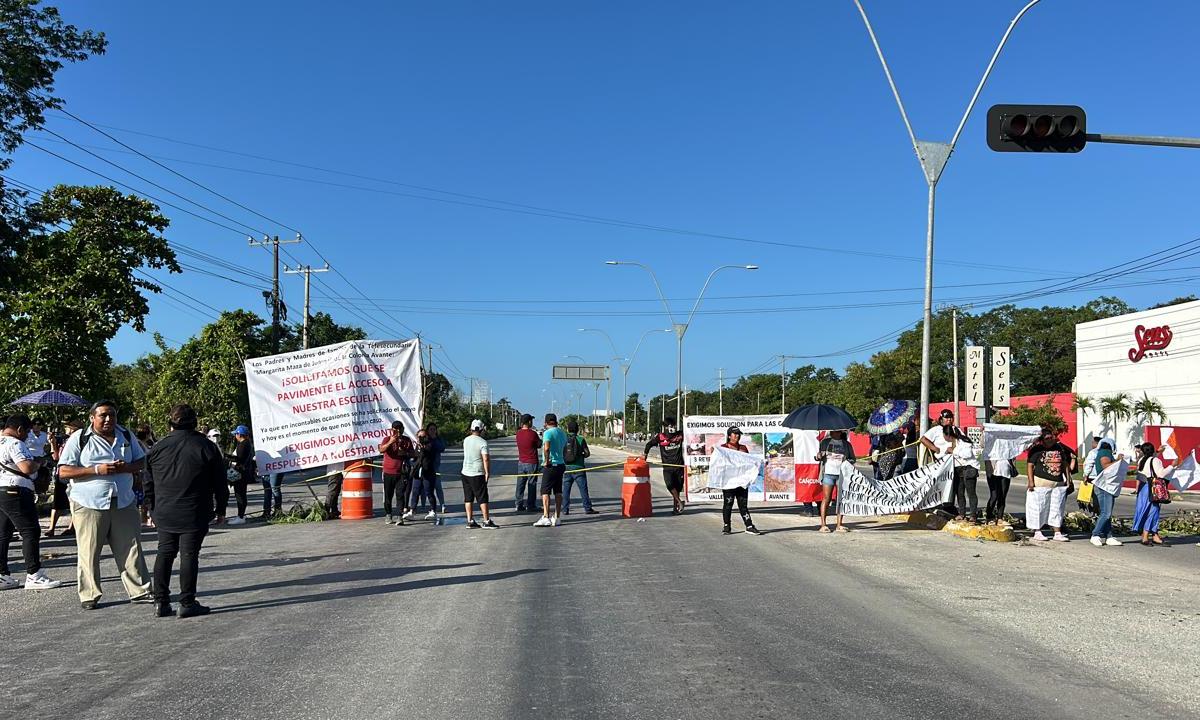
(923, 488)
(332, 404)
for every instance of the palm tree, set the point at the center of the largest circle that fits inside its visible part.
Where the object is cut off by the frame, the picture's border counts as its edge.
(1114, 408)
(1082, 403)
(1148, 411)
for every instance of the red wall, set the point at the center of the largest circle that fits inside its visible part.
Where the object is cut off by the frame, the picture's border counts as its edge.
(1061, 401)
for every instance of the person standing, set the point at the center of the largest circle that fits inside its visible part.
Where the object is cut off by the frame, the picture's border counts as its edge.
(1146, 512)
(834, 450)
(185, 488)
(99, 461)
(741, 494)
(528, 444)
(437, 446)
(891, 457)
(670, 451)
(243, 464)
(1090, 470)
(948, 440)
(427, 455)
(999, 479)
(911, 441)
(575, 454)
(396, 476)
(1106, 487)
(476, 468)
(61, 506)
(18, 505)
(555, 467)
(1048, 482)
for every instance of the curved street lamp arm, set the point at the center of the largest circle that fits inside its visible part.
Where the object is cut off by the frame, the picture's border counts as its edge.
(988, 71)
(886, 71)
(702, 291)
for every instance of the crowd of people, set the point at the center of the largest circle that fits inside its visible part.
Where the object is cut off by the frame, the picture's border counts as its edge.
(109, 484)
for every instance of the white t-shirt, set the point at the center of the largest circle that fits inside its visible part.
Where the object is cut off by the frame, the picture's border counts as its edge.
(964, 451)
(37, 443)
(474, 448)
(12, 453)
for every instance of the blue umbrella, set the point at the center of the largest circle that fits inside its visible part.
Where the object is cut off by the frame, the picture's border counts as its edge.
(819, 417)
(891, 416)
(50, 397)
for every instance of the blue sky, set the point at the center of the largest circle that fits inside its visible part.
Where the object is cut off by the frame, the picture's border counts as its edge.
(766, 121)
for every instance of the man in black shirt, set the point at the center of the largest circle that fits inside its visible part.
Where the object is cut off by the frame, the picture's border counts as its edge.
(670, 449)
(185, 481)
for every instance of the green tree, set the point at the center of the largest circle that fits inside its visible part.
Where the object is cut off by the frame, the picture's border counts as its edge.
(1114, 408)
(35, 43)
(81, 280)
(1176, 301)
(208, 372)
(322, 330)
(1044, 414)
(1148, 411)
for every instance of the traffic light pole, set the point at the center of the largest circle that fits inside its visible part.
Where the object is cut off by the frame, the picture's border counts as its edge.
(1159, 140)
(933, 157)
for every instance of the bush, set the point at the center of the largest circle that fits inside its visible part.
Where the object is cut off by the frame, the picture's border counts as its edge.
(1044, 414)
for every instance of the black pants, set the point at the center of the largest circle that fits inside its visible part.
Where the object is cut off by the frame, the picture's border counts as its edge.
(997, 495)
(397, 486)
(741, 495)
(239, 492)
(187, 546)
(333, 493)
(964, 491)
(18, 511)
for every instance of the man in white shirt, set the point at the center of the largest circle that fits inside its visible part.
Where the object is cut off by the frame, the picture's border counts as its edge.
(948, 440)
(18, 508)
(476, 468)
(100, 461)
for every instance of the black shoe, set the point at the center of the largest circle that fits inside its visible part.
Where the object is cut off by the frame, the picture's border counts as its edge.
(566, 511)
(473, 525)
(193, 610)
(88, 604)
(163, 609)
(726, 530)
(753, 530)
(142, 599)
(591, 511)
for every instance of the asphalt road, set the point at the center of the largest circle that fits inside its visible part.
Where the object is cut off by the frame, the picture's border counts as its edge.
(607, 617)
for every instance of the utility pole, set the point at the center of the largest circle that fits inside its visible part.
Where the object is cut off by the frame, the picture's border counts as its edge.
(760, 402)
(954, 324)
(306, 270)
(273, 296)
(782, 384)
(721, 392)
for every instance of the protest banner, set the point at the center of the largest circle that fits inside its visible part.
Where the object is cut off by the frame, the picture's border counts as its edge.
(333, 403)
(790, 471)
(923, 488)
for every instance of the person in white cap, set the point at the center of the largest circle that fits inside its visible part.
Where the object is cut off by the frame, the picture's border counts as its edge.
(475, 470)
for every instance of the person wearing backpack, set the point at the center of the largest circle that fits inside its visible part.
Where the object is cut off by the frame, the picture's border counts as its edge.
(575, 454)
(100, 461)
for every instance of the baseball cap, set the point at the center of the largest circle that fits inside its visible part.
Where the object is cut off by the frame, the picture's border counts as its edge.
(241, 430)
(476, 424)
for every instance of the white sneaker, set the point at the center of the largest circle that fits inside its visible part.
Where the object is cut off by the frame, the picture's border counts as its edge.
(236, 521)
(1113, 542)
(555, 521)
(1059, 537)
(544, 521)
(1097, 541)
(432, 515)
(407, 514)
(1038, 536)
(40, 581)
(8, 582)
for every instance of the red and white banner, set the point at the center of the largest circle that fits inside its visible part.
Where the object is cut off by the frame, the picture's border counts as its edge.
(333, 403)
(790, 471)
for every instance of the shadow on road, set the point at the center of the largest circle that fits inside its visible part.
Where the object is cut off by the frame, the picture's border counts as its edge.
(357, 575)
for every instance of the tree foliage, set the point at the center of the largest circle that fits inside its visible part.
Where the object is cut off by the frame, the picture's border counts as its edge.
(80, 282)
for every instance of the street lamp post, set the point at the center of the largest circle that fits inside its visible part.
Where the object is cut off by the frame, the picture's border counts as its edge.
(680, 328)
(625, 363)
(933, 157)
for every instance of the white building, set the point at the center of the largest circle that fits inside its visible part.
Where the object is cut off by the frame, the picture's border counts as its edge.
(1155, 353)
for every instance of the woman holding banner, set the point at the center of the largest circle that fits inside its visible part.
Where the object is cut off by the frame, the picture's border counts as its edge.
(741, 494)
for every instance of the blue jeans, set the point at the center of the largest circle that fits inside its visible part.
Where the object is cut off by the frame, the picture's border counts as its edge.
(579, 478)
(1105, 502)
(526, 494)
(272, 491)
(427, 486)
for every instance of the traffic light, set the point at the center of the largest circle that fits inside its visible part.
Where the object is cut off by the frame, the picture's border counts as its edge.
(1036, 128)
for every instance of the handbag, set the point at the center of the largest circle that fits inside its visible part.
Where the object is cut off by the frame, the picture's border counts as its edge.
(1160, 492)
(1085, 493)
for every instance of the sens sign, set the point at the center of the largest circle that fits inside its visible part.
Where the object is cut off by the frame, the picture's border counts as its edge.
(1000, 377)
